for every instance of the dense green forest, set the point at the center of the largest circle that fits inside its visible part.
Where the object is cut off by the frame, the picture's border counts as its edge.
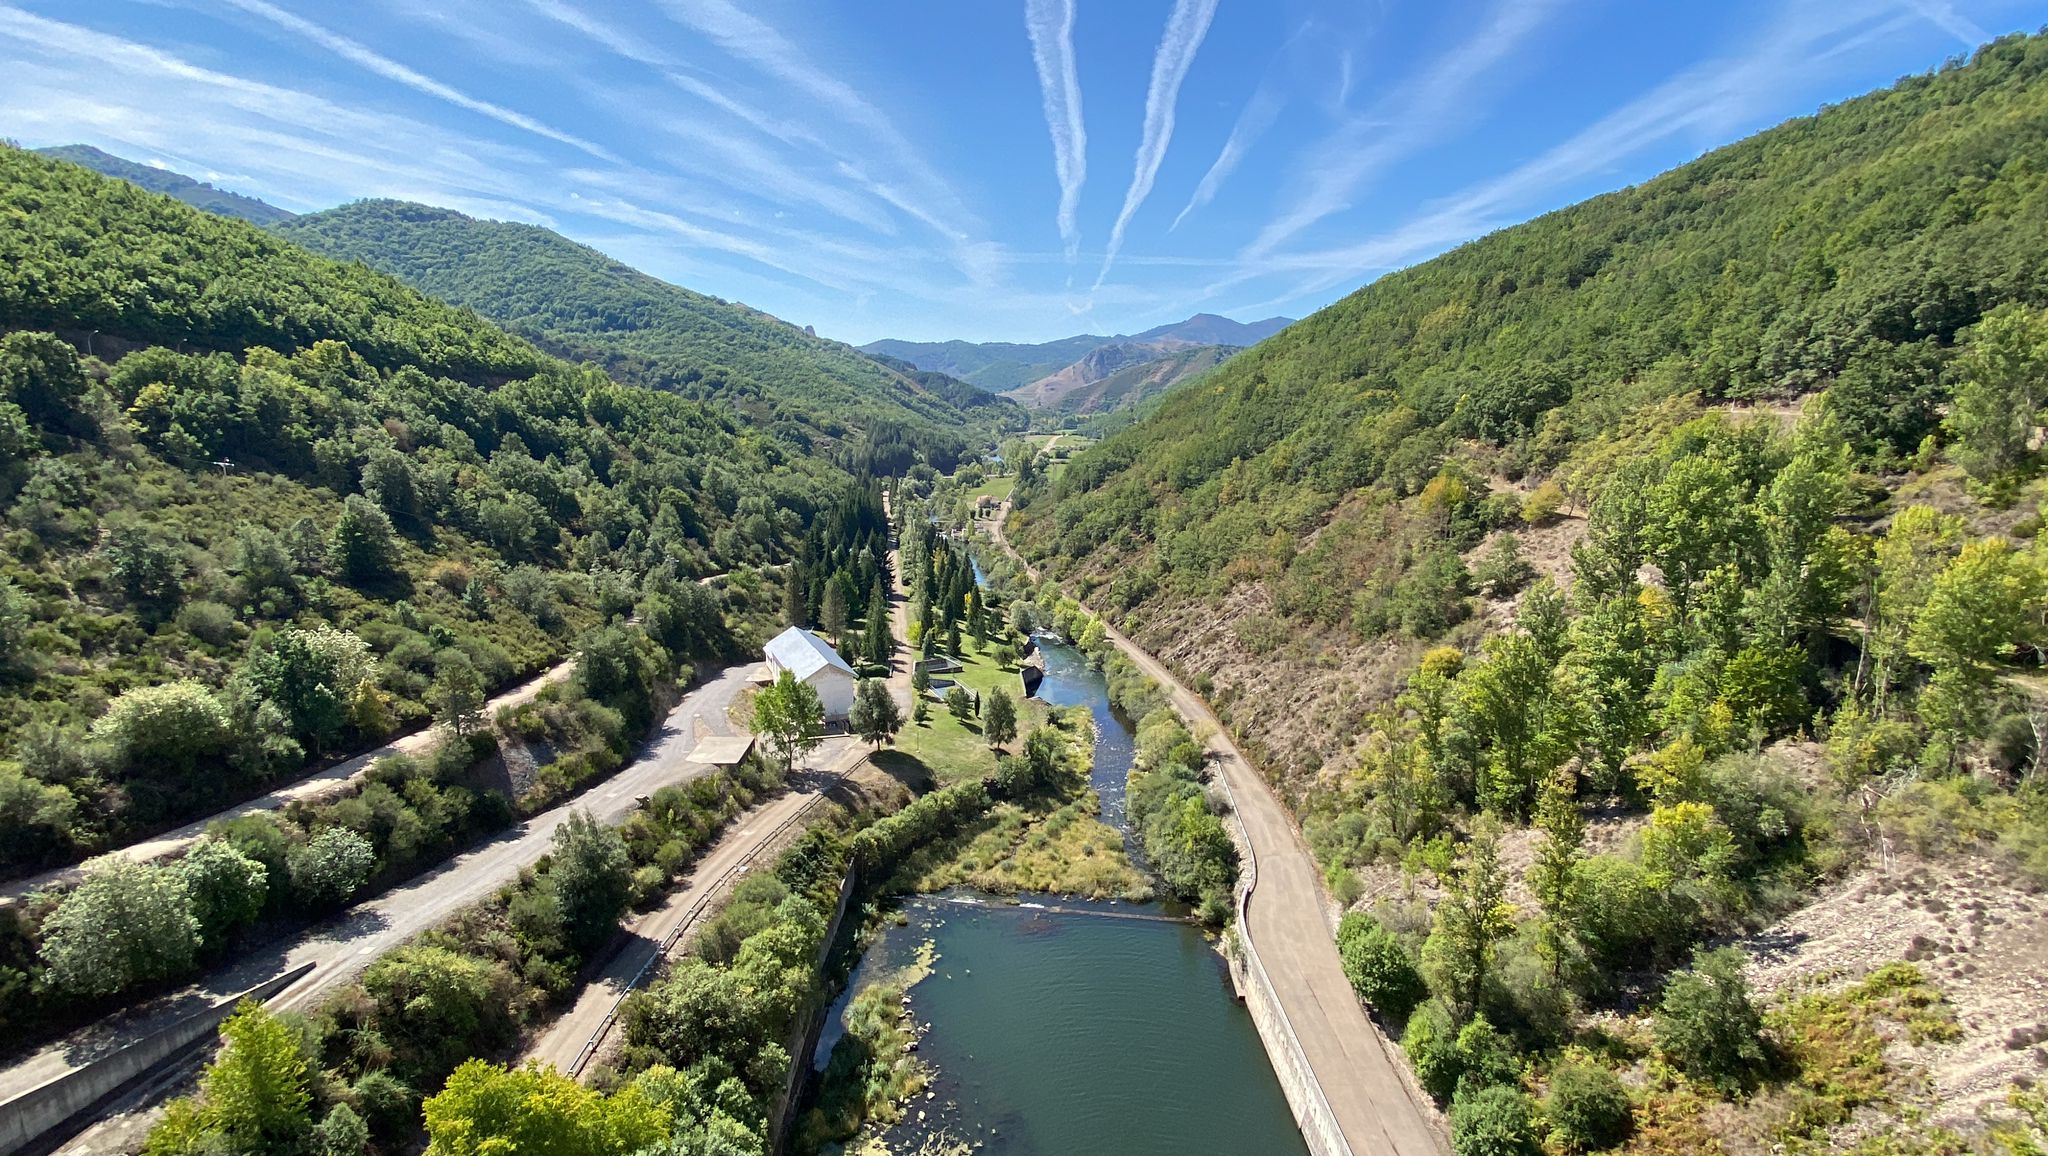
(1848, 248)
(583, 305)
(283, 503)
(1776, 416)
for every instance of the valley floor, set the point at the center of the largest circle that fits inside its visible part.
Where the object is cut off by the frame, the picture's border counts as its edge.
(1376, 1107)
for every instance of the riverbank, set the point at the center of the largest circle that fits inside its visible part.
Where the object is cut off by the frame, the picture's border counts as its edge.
(1055, 1024)
(1051, 842)
(1350, 1092)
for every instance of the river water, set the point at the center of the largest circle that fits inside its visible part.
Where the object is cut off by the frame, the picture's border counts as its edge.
(1063, 1028)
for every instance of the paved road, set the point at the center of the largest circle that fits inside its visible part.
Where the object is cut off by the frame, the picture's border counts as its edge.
(345, 945)
(568, 1040)
(316, 785)
(1354, 1064)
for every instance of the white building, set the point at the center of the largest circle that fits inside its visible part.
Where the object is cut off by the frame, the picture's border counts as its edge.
(811, 659)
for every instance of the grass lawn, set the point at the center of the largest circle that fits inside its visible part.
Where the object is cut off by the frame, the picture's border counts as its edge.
(997, 488)
(1053, 841)
(955, 750)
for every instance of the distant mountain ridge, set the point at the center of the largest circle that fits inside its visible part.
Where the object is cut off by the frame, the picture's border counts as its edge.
(1119, 376)
(196, 193)
(1006, 367)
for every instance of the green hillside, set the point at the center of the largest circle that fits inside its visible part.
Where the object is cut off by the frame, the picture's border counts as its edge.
(995, 366)
(1610, 589)
(285, 504)
(198, 194)
(1859, 242)
(583, 305)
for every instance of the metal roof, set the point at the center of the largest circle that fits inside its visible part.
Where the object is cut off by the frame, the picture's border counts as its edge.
(804, 654)
(722, 750)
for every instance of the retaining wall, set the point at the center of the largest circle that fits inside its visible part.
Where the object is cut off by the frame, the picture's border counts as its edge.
(1312, 1112)
(784, 1117)
(64, 1098)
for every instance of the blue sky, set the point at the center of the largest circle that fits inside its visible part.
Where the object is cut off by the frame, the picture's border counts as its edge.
(984, 169)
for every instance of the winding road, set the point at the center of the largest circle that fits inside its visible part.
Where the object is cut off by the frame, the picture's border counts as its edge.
(343, 946)
(326, 781)
(1376, 1109)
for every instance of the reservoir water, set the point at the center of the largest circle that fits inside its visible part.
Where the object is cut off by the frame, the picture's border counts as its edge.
(1078, 1029)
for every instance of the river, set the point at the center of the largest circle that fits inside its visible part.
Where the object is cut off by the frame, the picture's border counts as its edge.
(1080, 1029)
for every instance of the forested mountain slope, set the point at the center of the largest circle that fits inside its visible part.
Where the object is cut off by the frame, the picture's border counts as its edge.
(1628, 579)
(286, 506)
(586, 306)
(196, 193)
(1857, 242)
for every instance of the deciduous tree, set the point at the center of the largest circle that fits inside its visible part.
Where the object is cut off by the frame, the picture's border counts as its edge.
(126, 923)
(999, 718)
(875, 716)
(790, 716)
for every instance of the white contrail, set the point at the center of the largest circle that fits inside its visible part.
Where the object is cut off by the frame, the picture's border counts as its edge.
(1944, 16)
(1051, 25)
(392, 70)
(1370, 143)
(1184, 32)
(1252, 123)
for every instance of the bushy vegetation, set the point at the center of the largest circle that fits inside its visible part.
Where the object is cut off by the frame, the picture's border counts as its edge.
(1175, 821)
(284, 507)
(1861, 568)
(414, 1021)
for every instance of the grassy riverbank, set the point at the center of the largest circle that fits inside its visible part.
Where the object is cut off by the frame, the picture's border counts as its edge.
(872, 1075)
(957, 749)
(1049, 840)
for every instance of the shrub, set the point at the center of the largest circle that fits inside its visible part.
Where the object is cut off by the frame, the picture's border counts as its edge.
(227, 887)
(437, 1006)
(1588, 1107)
(1706, 1024)
(1492, 1121)
(341, 1133)
(387, 1105)
(169, 727)
(1543, 504)
(330, 867)
(1485, 1056)
(1378, 967)
(126, 923)
(209, 622)
(1431, 1043)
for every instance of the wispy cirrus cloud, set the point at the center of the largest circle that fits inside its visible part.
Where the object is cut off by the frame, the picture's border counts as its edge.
(1050, 24)
(1370, 142)
(1708, 101)
(1185, 30)
(1258, 116)
(748, 38)
(1943, 15)
(390, 69)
